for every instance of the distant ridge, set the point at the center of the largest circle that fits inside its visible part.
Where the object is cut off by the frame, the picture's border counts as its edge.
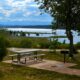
(26, 26)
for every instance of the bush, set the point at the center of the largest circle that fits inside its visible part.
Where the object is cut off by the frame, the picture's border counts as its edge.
(36, 45)
(54, 44)
(77, 45)
(3, 50)
(44, 45)
(63, 46)
(26, 43)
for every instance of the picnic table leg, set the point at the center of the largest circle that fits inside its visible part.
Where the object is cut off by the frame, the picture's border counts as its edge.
(35, 58)
(25, 60)
(18, 58)
(35, 53)
(64, 57)
(12, 58)
(41, 58)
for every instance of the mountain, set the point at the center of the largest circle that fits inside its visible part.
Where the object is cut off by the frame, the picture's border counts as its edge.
(26, 26)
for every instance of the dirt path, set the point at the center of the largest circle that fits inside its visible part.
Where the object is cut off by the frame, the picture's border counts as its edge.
(52, 66)
(57, 67)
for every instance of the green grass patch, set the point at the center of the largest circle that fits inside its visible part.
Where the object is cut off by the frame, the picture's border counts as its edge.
(15, 72)
(58, 36)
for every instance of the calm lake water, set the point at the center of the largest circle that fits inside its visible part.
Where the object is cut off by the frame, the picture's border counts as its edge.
(58, 33)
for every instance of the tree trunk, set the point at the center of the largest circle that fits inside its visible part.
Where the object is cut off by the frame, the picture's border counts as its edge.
(71, 46)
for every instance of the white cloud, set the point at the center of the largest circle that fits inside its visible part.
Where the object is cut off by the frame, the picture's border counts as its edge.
(7, 13)
(34, 5)
(18, 5)
(27, 13)
(31, 13)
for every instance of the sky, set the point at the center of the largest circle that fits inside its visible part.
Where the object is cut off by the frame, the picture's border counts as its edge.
(22, 12)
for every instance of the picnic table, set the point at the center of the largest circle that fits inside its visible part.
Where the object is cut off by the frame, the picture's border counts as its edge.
(31, 54)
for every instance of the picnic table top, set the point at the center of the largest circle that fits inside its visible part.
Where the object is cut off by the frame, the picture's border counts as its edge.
(24, 51)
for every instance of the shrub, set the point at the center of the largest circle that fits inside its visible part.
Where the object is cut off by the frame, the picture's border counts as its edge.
(63, 46)
(54, 44)
(26, 43)
(3, 50)
(44, 44)
(36, 45)
(77, 45)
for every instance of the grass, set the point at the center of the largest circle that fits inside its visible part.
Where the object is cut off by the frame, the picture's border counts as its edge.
(13, 72)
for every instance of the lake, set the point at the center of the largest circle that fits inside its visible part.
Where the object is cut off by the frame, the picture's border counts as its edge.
(48, 31)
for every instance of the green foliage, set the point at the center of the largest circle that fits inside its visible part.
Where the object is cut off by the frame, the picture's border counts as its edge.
(23, 34)
(54, 44)
(36, 45)
(64, 41)
(65, 14)
(37, 34)
(3, 50)
(26, 43)
(3, 43)
(77, 45)
(58, 36)
(44, 44)
(63, 46)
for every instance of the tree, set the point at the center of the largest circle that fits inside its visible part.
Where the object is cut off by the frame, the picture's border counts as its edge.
(37, 34)
(3, 44)
(23, 34)
(64, 42)
(2, 48)
(66, 14)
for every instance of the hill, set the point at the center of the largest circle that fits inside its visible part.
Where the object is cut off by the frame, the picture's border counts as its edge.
(26, 26)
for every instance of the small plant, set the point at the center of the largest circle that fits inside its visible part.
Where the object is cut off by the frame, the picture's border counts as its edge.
(54, 44)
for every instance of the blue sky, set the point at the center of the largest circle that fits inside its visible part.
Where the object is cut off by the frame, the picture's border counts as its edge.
(22, 12)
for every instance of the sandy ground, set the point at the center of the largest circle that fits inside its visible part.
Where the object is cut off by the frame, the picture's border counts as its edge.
(51, 66)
